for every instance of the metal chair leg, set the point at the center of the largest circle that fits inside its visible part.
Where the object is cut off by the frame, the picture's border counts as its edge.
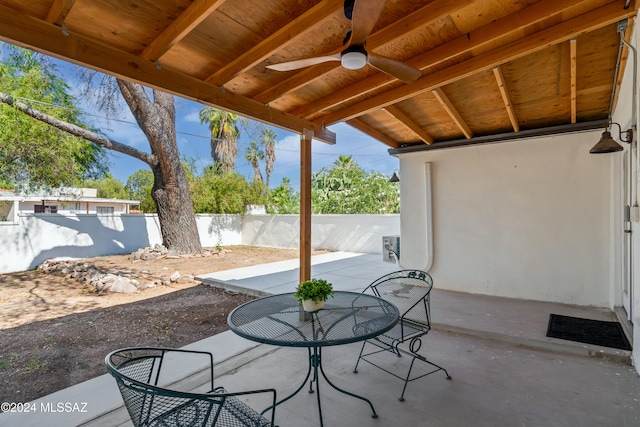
(355, 368)
(424, 359)
(406, 380)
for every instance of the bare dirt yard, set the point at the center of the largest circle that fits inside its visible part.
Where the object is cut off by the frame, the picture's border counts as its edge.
(55, 331)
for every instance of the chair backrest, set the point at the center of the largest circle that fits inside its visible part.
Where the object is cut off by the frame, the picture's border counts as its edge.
(409, 290)
(136, 371)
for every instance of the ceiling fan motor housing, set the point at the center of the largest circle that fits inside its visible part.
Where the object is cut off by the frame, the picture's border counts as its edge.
(354, 58)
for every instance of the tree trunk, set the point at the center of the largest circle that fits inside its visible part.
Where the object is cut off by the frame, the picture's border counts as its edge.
(170, 188)
(257, 174)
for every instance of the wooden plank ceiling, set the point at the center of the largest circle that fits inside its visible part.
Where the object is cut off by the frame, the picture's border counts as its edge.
(487, 66)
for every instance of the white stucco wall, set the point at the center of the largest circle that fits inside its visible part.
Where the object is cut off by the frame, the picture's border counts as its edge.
(217, 230)
(26, 243)
(30, 240)
(34, 238)
(526, 219)
(354, 233)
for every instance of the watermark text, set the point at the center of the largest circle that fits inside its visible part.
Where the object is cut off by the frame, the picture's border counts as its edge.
(46, 407)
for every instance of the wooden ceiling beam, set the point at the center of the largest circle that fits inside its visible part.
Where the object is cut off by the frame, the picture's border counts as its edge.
(294, 82)
(573, 58)
(59, 11)
(278, 40)
(373, 133)
(551, 36)
(504, 91)
(409, 123)
(192, 16)
(511, 24)
(35, 34)
(448, 106)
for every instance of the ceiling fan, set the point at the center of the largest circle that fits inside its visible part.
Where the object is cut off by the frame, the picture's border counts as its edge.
(363, 15)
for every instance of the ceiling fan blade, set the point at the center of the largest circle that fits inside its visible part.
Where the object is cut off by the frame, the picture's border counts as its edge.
(397, 69)
(365, 16)
(302, 63)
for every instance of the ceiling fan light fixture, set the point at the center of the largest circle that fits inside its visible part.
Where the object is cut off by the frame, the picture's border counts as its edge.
(353, 60)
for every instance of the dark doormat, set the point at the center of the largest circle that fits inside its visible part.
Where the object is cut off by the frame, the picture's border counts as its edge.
(597, 332)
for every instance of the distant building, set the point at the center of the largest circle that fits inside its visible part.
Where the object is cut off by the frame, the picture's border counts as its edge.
(62, 201)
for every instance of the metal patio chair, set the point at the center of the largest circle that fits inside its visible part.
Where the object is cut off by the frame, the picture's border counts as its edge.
(137, 371)
(409, 290)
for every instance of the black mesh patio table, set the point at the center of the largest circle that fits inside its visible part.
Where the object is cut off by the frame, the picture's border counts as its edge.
(346, 318)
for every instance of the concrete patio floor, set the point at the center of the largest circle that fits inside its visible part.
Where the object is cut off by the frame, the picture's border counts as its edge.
(505, 370)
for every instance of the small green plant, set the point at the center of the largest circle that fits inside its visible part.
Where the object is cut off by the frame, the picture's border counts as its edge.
(4, 364)
(314, 289)
(164, 325)
(34, 365)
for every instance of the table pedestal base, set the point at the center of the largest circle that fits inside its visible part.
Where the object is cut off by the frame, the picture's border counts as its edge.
(315, 362)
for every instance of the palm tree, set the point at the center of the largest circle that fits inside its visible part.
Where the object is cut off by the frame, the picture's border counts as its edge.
(268, 138)
(253, 154)
(344, 161)
(224, 135)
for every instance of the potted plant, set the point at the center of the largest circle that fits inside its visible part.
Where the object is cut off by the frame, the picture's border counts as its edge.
(313, 293)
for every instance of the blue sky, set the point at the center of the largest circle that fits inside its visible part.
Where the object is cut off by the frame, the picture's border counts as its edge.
(194, 142)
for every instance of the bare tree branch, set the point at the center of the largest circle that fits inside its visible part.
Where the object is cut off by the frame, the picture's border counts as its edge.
(103, 141)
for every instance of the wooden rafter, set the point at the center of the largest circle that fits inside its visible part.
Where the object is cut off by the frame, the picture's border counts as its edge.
(482, 36)
(553, 35)
(406, 120)
(504, 91)
(573, 57)
(59, 11)
(36, 34)
(424, 16)
(453, 112)
(372, 132)
(197, 12)
(281, 38)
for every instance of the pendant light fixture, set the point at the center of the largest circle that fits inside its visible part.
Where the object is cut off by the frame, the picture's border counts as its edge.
(608, 145)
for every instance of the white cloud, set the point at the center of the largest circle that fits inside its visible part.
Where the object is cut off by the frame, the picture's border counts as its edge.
(192, 117)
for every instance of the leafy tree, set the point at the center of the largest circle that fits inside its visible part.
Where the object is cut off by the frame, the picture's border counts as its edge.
(227, 194)
(30, 150)
(109, 188)
(283, 199)
(224, 135)
(253, 154)
(154, 112)
(268, 138)
(139, 186)
(347, 189)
